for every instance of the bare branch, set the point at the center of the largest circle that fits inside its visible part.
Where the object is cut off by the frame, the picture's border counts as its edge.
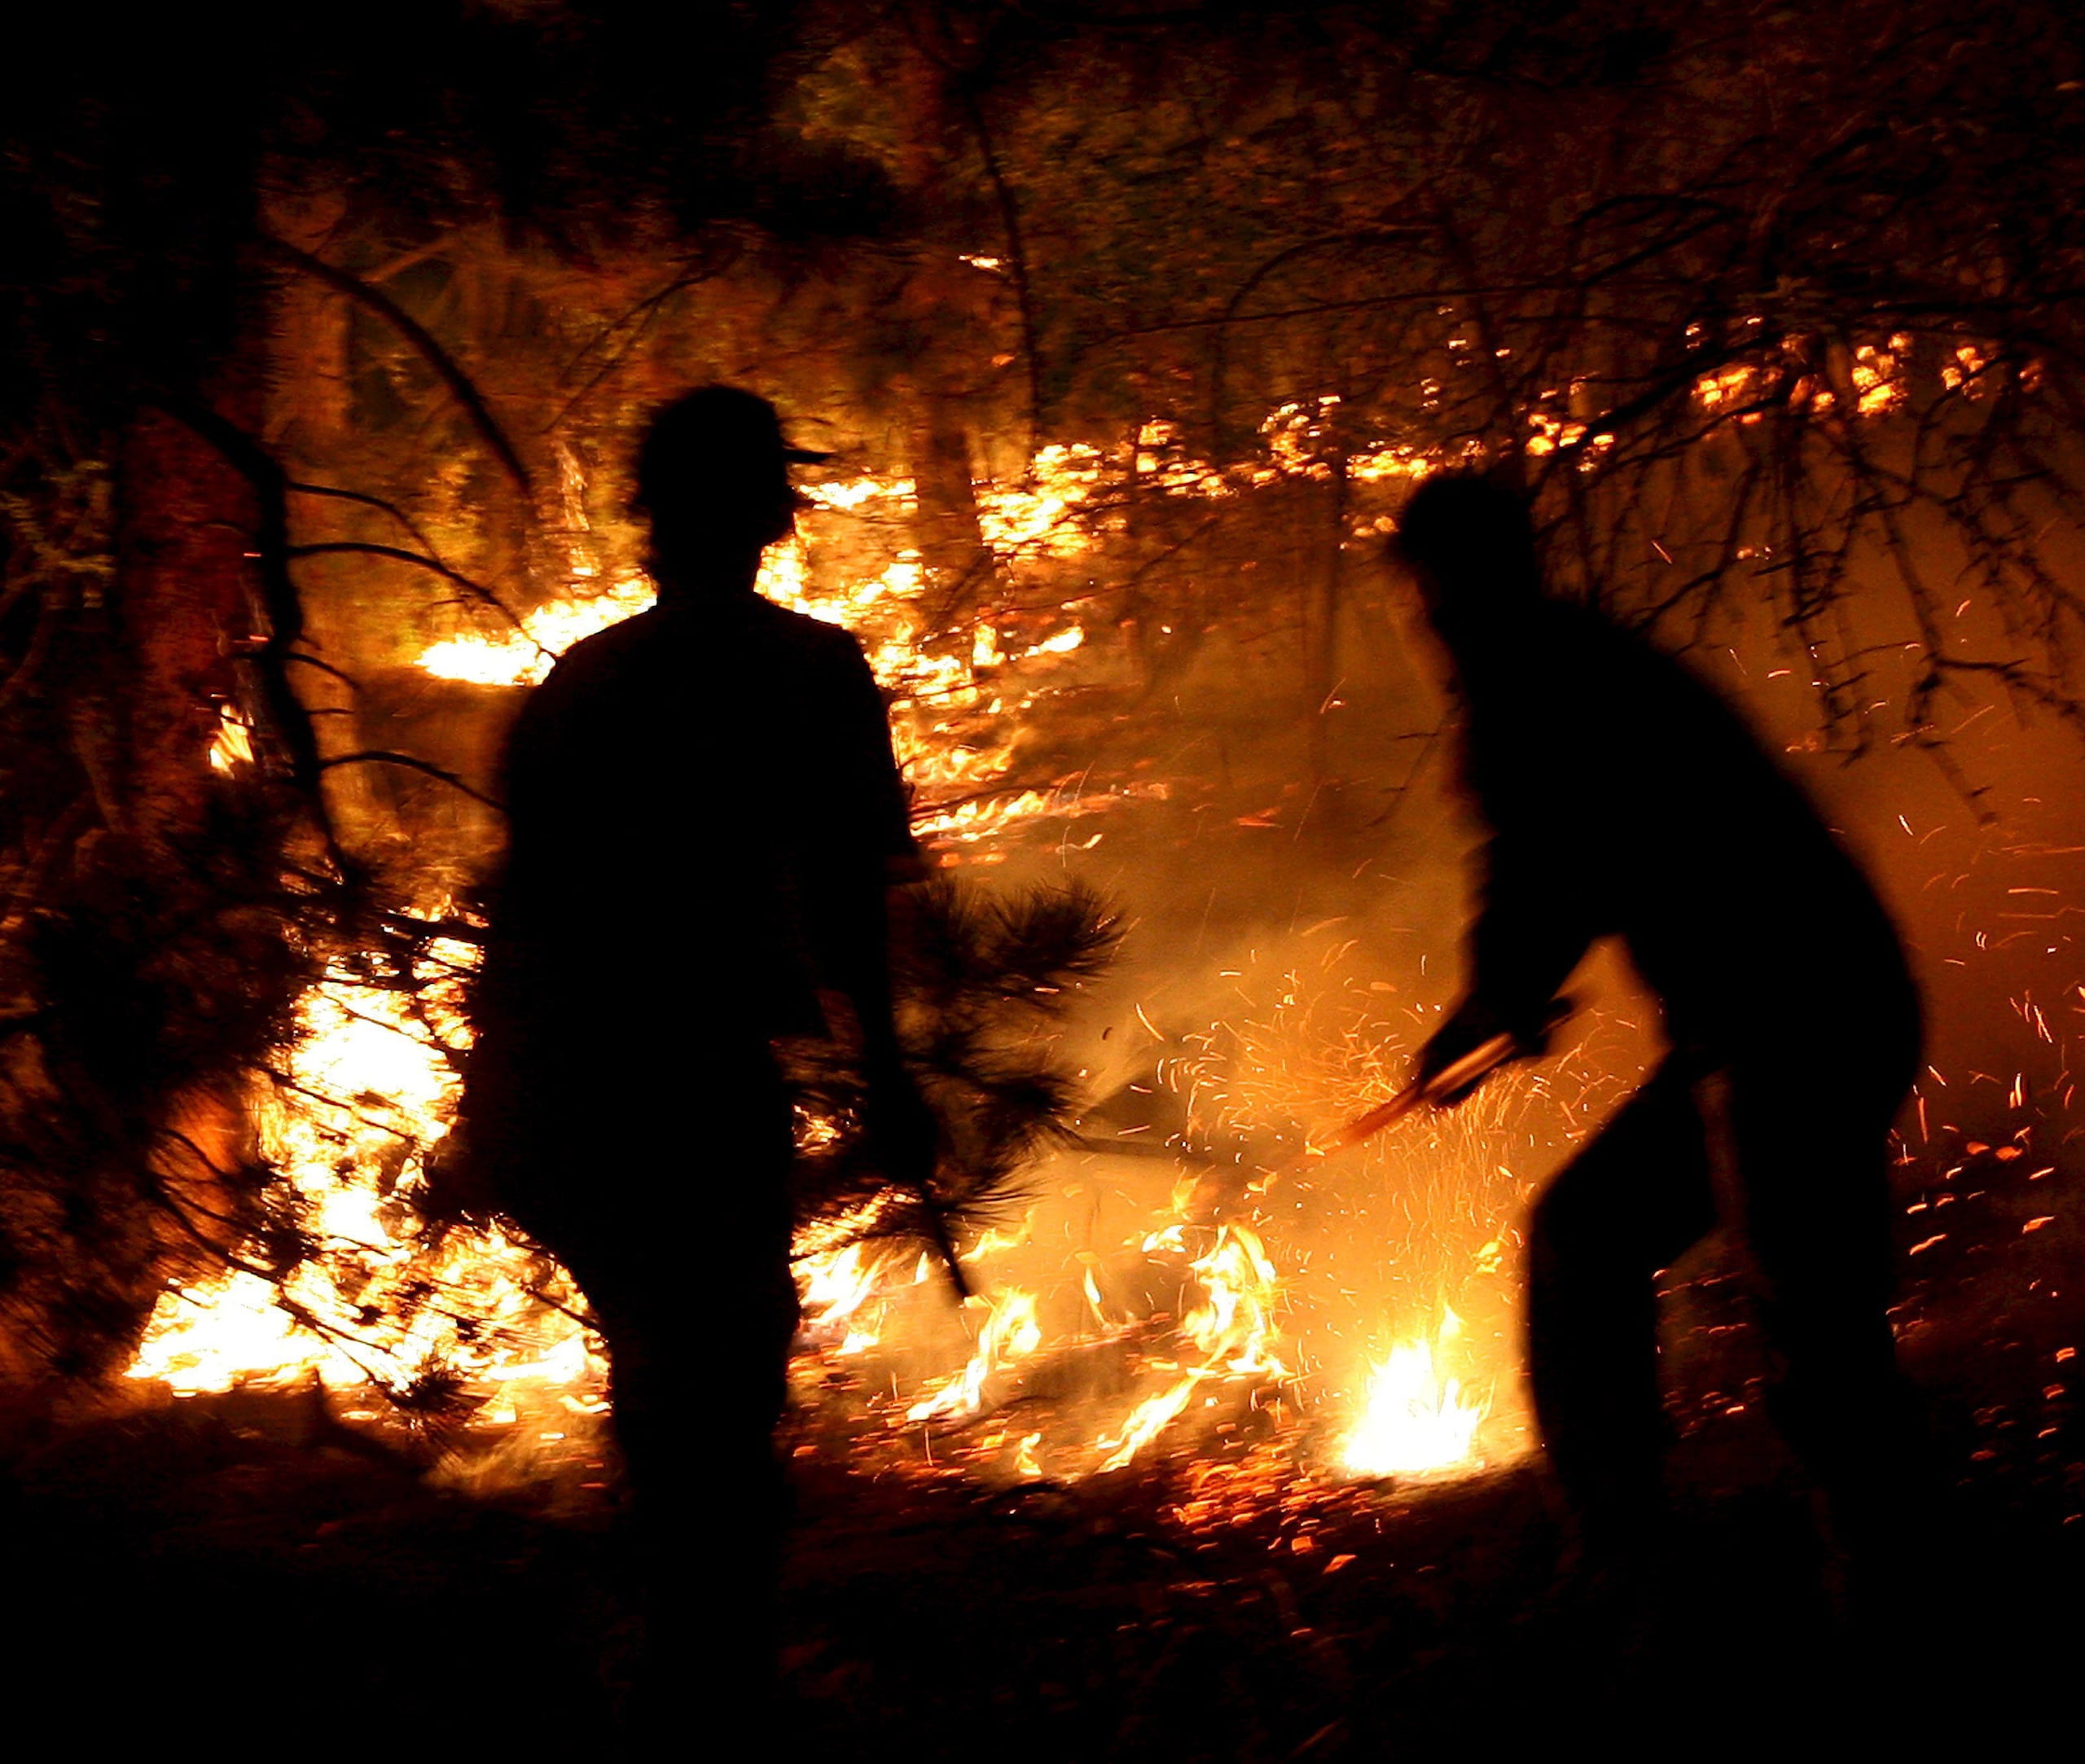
(365, 548)
(424, 344)
(385, 757)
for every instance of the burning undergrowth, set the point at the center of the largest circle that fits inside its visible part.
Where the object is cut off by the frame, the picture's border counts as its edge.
(979, 979)
(385, 1280)
(1169, 1273)
(424, 1317)
(137, 973)
(1169, 1285)
(1191, 1284)
(371, 1272)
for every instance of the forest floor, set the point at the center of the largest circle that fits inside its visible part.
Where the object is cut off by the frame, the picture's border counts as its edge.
(247, 1568)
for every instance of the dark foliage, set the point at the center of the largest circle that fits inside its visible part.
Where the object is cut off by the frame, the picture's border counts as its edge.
(148, 981)
(978, 979)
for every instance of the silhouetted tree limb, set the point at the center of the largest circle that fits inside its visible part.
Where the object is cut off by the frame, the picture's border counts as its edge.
(383, 756)
(1009, 208)
(422, 342)
(288, 717)
(366, 501)
(397, 554)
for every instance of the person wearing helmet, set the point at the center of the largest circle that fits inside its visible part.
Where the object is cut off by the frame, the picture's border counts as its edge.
(704, 815)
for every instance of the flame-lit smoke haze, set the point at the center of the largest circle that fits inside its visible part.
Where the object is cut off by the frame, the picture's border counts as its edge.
(1292, 935)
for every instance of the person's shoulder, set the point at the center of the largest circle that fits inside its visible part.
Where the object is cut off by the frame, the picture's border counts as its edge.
(607, 648)
(1637, 644)
(1645, 677)
(1575, 620)
(818, 647)
(1551, 638)
(804, 632)
(596, 667)
(1569, 625)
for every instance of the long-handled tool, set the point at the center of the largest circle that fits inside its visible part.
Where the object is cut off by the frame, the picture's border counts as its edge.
(1479, 1062)
(1482, 1060)
(1421, 1093)
(1224, 1187)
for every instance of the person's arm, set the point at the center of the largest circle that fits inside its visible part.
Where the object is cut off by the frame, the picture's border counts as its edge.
(540, 779)
(866, 851)
(1532, 928)
(866, 848)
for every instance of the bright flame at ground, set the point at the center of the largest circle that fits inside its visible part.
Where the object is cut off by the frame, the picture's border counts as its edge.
(234, 745)
(382, 1299)
(1147, 1421)
(523, 657)
(1416, 1421)
(1232, 1329)
(1010, 1335)
(1234, 1325)
(834, 1288)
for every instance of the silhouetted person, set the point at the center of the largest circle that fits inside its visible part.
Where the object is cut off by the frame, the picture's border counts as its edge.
(1624, 799)
(704, 815)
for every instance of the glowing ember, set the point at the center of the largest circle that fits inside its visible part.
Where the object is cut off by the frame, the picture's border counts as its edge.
(1416, 1421)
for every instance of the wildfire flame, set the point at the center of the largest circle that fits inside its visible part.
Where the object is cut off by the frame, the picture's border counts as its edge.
(955, 719)
(1232, 1327)
(1147, 1421)
(834, 1289)
(380, 1300)
(1234, 1324)
(1010, 1333)
(369, 1074)
(1415, 1420)
(523, 657)
(234, 745)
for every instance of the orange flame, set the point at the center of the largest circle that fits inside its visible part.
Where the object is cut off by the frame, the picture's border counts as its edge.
(1416, 1421)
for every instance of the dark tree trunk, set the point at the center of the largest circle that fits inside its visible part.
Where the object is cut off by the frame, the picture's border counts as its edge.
(957, 562)
(1321, 621)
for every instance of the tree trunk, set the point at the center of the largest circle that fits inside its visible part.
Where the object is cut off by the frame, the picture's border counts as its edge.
(959, 566)
(1321, 617)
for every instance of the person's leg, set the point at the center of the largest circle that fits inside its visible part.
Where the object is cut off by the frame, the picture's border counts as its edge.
(708, 1504)
(1630, 1203)
(1812, 1153)
(696, 1412)
(683, 1254)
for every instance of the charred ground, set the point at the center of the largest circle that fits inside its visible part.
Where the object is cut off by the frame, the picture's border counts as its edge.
(250, 1565)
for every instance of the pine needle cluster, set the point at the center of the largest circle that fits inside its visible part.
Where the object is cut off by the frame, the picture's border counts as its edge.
(981, 983)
